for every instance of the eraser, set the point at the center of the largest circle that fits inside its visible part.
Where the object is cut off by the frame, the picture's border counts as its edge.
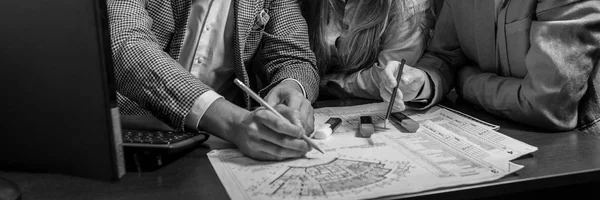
(323, 132)
(366, 127)
(409, 124)
(326, 130)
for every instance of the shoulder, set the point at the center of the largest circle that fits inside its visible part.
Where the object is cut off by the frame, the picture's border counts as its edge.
(406, 9)
(543, 5)
(411, 15)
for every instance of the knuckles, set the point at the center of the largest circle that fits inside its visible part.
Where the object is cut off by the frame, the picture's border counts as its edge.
(278, 151)
(252, 128)
(252, 146)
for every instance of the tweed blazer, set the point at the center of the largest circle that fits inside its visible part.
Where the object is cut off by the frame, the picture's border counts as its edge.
(538, 66)
(147, 37)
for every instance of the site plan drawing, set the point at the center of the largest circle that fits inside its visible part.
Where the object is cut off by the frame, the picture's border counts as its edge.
(391, 162)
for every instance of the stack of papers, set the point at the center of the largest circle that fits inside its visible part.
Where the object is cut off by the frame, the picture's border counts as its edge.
(449, 149)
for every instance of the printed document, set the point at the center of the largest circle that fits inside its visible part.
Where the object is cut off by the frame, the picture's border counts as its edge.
(391, 162)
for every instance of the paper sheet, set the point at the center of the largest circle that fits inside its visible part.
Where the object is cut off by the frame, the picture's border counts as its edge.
(389, 163)
(477, 132)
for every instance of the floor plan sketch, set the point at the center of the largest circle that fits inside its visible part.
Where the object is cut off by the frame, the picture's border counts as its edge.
(391, 162)
(337, 176)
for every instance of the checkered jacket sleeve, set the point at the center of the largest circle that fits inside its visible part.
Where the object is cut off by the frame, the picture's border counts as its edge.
(141, 32)
(286, 51)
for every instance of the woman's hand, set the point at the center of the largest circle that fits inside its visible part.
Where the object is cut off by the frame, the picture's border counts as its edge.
(411, 82)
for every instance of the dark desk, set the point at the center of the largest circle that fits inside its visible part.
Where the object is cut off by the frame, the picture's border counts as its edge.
(565, 162)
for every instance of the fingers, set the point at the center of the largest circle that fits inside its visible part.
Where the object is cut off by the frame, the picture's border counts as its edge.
(389, 73)
(301, 115)
(407, 78)
(286, 92)
(271, 152)
(409, 74)
(262, 142)
(307, 113)
(412, 75)
(279, 152)
(398, 101)
(272, 98)
(283, 141)
(295, 100)
(277, 124)
(399, 104)
(296, 108)
(265, 150)
(301, 111)
(411, 82)
(292, 115)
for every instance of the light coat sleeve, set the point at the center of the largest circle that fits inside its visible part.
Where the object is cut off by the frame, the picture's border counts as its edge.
(565, 48)
(405, 39)
(441, 58)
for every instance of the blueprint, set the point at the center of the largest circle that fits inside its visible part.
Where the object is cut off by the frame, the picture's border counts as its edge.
(391, 162)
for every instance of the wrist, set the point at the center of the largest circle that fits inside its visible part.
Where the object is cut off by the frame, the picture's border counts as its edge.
(222, 119)
(464, 75)
(291, 84)
(426, 90)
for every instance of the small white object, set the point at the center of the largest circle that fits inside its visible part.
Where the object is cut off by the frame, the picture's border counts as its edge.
(323, 132)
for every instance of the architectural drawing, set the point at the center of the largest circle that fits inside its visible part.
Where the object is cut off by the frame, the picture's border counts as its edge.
(391, 163)
(339, 175)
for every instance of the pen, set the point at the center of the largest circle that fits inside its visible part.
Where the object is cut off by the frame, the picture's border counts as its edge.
(266, 105)
(389, 108)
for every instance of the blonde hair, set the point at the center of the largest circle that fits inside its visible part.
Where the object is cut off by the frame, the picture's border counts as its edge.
(365, 37)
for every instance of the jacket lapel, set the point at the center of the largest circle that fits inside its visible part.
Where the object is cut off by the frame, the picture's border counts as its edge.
(243, 18)
(181, 11)
(485, 31)
(244, 11)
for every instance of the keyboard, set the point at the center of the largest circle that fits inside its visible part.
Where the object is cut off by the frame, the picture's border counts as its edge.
(162, 139)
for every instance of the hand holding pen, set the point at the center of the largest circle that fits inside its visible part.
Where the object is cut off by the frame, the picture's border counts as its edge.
(404, 120)
(408, 84)
(275, 112)
(394, 93)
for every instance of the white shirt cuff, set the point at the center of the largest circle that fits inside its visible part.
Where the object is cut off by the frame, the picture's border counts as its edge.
(199, 108)
(298, 82)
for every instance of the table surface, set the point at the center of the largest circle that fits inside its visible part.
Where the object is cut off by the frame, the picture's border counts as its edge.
(563, 159)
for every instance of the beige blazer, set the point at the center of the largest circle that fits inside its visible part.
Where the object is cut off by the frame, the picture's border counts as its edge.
(537, 66)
